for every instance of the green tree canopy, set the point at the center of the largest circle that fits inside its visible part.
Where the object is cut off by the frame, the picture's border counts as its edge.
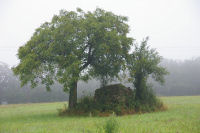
(74, 46)
(142, 63)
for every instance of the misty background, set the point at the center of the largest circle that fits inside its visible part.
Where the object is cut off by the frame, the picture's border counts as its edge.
(183, 80)
(172, 25)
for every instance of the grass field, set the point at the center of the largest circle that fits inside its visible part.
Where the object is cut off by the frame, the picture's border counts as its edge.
(182, 116)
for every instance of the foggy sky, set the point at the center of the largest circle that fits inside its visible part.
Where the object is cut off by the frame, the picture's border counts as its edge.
(172, 25)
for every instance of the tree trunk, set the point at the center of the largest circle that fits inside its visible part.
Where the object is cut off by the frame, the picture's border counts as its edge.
(73, 96)
(140, 87)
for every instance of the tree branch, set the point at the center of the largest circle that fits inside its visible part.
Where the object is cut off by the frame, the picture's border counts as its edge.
(89, 58)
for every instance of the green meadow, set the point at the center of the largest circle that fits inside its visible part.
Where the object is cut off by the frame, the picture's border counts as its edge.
(182, 116)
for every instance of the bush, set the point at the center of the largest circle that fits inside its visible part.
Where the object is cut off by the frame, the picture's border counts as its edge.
(149, 103)
(86, 104)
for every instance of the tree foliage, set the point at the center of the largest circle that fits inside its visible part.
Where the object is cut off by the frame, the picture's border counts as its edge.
(143, 63)
(74, 46)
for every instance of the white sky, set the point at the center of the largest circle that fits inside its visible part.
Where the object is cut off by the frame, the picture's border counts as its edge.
(172, 25)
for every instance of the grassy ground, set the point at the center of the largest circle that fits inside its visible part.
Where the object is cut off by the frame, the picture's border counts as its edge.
(182, 116)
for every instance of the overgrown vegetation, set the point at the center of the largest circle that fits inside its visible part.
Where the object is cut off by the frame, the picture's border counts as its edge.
(115, 99)
(142, 63)
(80, 45)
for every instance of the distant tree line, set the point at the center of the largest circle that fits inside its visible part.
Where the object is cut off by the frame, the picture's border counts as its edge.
(183, 80)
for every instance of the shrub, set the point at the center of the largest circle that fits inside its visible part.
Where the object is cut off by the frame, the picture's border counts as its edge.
(86, 104)
(149, 103)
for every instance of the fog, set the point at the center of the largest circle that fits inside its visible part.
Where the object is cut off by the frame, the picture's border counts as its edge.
(172, 25)
(183, 80)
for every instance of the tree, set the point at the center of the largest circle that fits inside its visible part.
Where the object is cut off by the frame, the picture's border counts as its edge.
(142, 63)
(74, 46)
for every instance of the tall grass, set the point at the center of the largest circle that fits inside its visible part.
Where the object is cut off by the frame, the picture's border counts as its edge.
(182, 116)
(111, 125)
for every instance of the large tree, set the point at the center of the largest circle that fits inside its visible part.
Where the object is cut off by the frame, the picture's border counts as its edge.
(74, 46)
(144, 62)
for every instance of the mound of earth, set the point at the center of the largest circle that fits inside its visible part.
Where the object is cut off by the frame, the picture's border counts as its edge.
(112, 96)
